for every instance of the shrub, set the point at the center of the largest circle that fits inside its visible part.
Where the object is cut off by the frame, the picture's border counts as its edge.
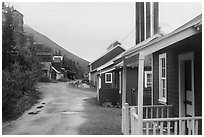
(44, 78)
(18, 92)
(63, 79)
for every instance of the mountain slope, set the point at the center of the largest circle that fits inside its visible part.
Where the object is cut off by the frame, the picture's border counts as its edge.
(38, 37)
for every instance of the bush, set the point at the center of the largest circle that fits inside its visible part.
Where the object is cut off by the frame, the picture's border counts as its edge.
(44, 78)
(18, 92)
(63, 79)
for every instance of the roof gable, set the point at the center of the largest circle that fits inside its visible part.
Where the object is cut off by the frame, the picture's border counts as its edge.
(107, 57)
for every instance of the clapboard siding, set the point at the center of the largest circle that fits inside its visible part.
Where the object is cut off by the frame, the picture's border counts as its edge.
(132, 83)
(191, 44)
(105, 85)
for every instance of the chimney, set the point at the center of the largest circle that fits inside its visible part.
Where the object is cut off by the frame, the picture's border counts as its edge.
(146, 20)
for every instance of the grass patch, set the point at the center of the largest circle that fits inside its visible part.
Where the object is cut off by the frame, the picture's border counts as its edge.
(101, 121)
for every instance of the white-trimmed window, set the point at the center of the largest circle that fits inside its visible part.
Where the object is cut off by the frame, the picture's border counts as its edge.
(108, 78)
(148, 79)
(162, 79)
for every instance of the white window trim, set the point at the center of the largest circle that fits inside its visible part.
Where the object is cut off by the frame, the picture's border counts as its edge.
(106, 78)
(162, 99)
(147, 72)
(99, 82)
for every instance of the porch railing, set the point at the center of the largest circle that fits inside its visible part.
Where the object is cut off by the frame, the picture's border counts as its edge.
(171, 126)
(149, 111)
(156, 121)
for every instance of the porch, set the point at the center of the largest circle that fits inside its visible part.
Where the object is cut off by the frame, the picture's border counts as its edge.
(156, 121)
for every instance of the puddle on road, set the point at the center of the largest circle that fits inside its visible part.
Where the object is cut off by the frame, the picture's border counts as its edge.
(68, 113)
(39, 107)
(34, 112)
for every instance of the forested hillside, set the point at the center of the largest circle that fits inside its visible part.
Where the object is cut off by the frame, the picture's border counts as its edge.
(38, 37)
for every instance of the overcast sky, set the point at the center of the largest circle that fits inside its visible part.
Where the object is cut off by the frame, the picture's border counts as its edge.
(87, 29)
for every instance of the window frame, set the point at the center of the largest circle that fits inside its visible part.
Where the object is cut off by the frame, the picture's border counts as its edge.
(162, 79)
(146, 82)
(111, 77)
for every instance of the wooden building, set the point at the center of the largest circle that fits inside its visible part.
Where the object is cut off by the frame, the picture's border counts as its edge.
(109, 82)
(45, 58)
(177, 84)
(110, 54)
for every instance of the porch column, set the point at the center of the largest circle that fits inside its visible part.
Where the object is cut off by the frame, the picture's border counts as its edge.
(140, 93)
(124, 77)
(97, 87)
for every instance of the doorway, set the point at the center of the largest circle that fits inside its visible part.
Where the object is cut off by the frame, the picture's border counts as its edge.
(186, 87)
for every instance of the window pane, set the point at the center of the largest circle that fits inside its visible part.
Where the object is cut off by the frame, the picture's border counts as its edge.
(148, 75)
(163, 83)
(108, 77)
(163, 73)
(163, 62)
(164, 93)
(148, 80)
(149, 84)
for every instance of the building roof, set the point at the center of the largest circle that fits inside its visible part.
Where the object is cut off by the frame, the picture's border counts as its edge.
(184, 28)
(111, 62)
(57, 57)
(44, 53)
(118, 46)
(55, 70)
(17, 12)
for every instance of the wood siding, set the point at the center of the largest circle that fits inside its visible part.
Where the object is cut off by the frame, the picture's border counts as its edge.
(132, 83)
(192, 44)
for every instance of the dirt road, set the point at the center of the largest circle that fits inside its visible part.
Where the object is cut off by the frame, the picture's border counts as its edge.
(59, 112)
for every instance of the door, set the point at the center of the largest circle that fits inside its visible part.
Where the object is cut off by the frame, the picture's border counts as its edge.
(188, 94)
(186, 89)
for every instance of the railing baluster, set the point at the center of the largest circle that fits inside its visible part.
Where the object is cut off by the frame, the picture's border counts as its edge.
(196, 127)
(183, 127)
(157, 112)
(147, 113)
(162, 112)
(193, 126)
(147, 128)
(188, 125)
(122, 120)
(131, 121)
(167, 115)
(175, 127)
(151, 112)
(127, 126)
(154, 128)
(180, 127)
(168, 127)
(161, 128)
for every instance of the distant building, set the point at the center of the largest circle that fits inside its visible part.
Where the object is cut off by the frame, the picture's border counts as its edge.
(18, 32)
(45, 58)
(57, 71)
(57, 62)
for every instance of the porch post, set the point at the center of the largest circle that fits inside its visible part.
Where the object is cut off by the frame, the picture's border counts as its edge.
(97, 86)
(124, 78)
(140, 93)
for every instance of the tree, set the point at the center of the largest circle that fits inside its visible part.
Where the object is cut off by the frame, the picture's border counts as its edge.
(9, 50)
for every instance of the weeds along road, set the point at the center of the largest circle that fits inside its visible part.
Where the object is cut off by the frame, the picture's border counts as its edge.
(59, 112)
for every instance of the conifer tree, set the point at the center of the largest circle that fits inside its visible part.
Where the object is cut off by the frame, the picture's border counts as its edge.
(8, 43)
